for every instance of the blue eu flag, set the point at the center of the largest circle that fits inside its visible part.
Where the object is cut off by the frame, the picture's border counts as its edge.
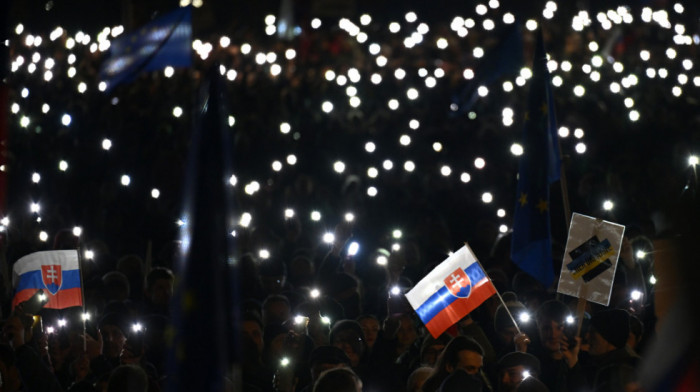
(531, 246)
(165, 41)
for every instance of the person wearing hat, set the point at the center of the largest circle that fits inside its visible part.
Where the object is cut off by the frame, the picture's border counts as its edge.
(513, 368)
(324, 358)
(608, 343)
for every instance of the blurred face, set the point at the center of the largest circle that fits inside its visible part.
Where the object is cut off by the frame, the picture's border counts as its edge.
(276, 312)
(598, 345)
(431, 353)
(113, 339)
(252, 330)
(551, 335)
(352, 344)
(511, 377)
(469, 361)
(161, 292)
(406, 333)
(370, 327)
(506, 335)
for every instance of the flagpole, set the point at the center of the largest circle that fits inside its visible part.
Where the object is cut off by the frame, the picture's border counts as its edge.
(496, 289)
(82, 296)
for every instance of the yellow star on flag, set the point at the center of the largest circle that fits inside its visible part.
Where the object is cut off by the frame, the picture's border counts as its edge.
(523, 199)
(542, 206)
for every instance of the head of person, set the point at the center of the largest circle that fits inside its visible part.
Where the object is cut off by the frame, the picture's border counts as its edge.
(431, 348)
(370, 328)
(276, 309)
(503, 324)
(252, 328)
(127, 378)
(407, 332)
(461, 381)
(159, 286)
(462, 353)
(323, 358)
(551, 318)
(636, 331)
(273, 276)
(116, 286)
(514, 367)
(345, 289)
(347, 335)
(609, 331)
(340, 379)
(114, 327)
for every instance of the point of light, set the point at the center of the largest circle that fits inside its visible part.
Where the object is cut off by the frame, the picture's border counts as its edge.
(608, 205)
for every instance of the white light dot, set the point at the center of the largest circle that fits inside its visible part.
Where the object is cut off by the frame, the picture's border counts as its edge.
(563, 132)
(693, 160)
(437, 146)
(608, 205)
(372, 172)
(327, 107)
(409, 166)
(479, 163)
(315, 23)
(177, 111)
(531, 25)
(339, 167)
(507, 86)
(125, 180)
(414, 124)
(508, 18)
(580, 148)
(233, 180)
(62, 165)
(43, 237)
(315, 216)
(155, 193)
(501, 213)
(445, 170)
(516, 149)
(441, 43)
(106, 144)
(36, 177)
(370, 147)
(285, 127)
(371, 191)
(579, 90)
(487, 197)
(66, 119)
(465, 177)
(276, 166)
(405, 140)
(387, 164)
(634, 115)
(478, 52)
(291, 159)
(483, 91)
(578, 133)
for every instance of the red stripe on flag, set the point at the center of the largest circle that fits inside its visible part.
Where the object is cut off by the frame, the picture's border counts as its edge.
(63, 299)
(460, 308)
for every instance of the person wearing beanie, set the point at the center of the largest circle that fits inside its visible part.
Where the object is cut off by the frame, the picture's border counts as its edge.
(461, 381)
(608, 344)
(348, 336)
(513, 368)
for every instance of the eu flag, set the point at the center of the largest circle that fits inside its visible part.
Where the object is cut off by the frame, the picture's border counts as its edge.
(204, 312)
(165, 41)
(531, 246)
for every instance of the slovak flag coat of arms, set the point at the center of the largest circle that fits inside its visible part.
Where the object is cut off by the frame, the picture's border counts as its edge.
(57, 272)
(450, 291)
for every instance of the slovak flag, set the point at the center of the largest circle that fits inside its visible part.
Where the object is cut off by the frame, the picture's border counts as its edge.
(450, 291)
(57, 272)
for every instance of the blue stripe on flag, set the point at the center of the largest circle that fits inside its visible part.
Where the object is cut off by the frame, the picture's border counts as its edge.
(32, 280)
(442, 298)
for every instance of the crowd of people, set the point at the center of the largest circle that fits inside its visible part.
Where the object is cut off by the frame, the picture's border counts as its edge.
(314, 315)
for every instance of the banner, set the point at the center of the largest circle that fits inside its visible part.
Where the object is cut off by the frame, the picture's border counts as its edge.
(590, 259)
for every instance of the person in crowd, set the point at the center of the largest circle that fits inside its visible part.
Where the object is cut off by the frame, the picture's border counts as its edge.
(558, 355)
(158, 291)
(276, 309)
(325, 358)
(461, 353)
(371, 329)
(255, 374)
(417, 378)
(513, 368)
(340, 379)
(461, 381)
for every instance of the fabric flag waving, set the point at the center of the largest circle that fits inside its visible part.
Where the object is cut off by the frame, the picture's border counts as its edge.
(57, 272)
(540, 165)
(165, 41)
(450, 291)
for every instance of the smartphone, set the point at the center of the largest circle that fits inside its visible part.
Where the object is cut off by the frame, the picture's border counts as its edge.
(35, 303)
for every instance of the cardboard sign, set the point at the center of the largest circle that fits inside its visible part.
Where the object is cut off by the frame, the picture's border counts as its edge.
(590, 259)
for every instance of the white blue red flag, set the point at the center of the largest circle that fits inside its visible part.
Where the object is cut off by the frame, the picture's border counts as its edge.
(57, 272)
(450, 291)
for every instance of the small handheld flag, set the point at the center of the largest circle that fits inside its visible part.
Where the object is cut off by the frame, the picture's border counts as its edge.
(450, 291)
(56, 272)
